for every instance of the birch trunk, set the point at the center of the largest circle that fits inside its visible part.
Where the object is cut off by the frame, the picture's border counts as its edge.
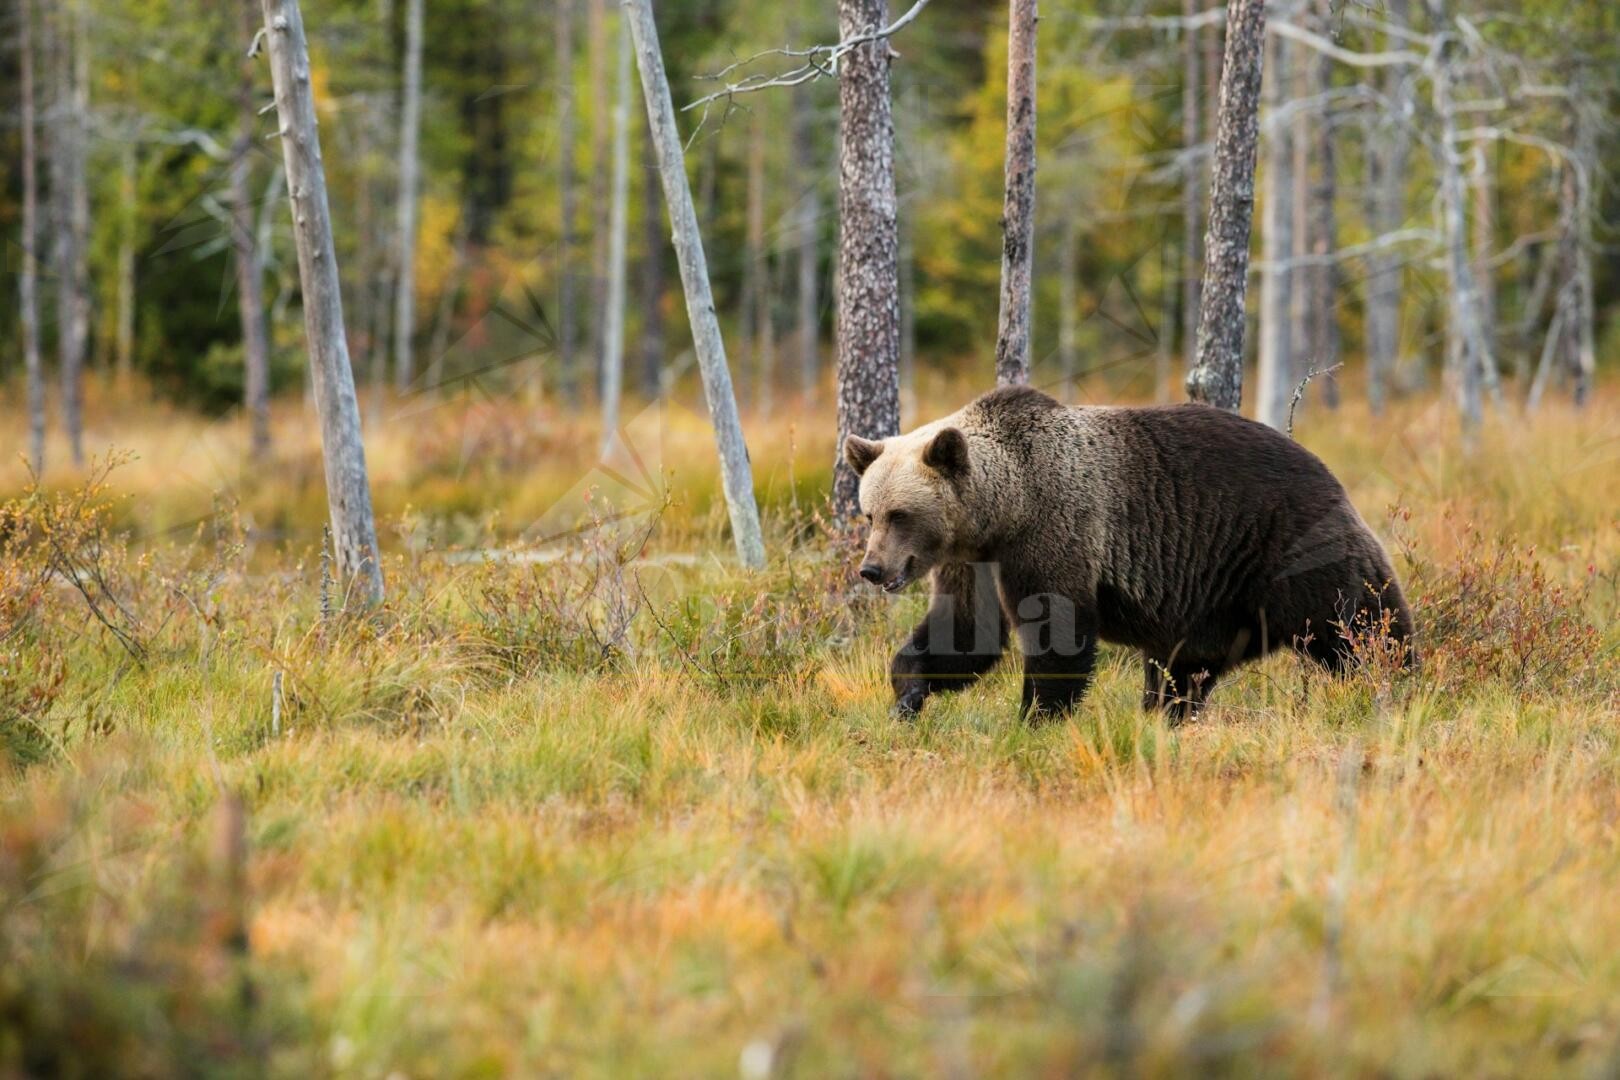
(567, 331)
(1322, 229)
(809, 229)
(1192, 188)
(1585, 166)
(735, 471)
(652, 273)
(28, 280)
(1467, 350)
(618, 230)
(1276, 365)
(348, 491)
(1387, 161)
(1018, 206)
(410, 124)
(600, 198)
(245, 249)
(1217, 377)
(70, 193)
(124, 331)
(1482, 195)
(868, 248)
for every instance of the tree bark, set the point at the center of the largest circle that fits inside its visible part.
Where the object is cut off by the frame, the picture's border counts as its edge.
(1584, 167)
(1018, 206)
(348, 491)
(410, 125)
(1387, 161)
(1276, 362)
(1467, 349)
(71, 196)
(1323, 343)
(1217, 377)
(28, 280)
(128, 211)
(652, 274)
(868, 248)
(567, 331)
(1192, 186)
(245, 248)
(809, 229)
(735, 471)
(1482, 196)
(600, 198)
(618, 230)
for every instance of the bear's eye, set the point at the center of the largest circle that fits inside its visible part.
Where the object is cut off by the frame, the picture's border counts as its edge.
(898, 517)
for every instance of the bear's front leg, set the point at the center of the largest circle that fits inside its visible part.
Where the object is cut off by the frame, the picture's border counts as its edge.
(959, 640)
(1058, 636)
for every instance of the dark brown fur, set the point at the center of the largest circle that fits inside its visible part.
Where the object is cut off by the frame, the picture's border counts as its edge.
(1194, 535)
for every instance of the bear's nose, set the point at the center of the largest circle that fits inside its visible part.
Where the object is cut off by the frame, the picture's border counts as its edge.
(872, 572)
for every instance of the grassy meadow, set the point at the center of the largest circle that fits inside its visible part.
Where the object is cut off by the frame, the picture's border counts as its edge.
(618, 808)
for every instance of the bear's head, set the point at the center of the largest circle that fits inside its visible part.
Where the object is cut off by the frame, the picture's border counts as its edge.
(911, 493)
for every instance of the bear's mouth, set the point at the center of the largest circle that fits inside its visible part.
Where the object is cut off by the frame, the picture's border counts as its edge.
(900, 580)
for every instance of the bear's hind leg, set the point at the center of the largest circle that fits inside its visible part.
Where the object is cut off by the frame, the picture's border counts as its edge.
(962, 637)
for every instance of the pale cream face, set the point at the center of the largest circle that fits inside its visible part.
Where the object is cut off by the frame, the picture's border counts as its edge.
(911, 508)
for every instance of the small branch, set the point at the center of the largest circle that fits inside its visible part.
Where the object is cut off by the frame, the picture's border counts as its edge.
(1299, 392)
(820, 61)
(1327, 48)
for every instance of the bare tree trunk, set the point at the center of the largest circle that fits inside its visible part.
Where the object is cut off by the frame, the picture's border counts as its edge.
(1387, 161)
(245, 248)
(596, 73)
(809, 229)
(1586, 164)
(1276, 366)
(1468, 351)
(124, 332)
(735, 471)
(1482, 192)
(348, 491)
(410, 124)
(868, 248)
(1217, 377)
(1192, 186)
(618, 232)
(652, 274)
(1169, 290)
(567, 332)
(1322, 318)
(1018, 207)
(28, 280)
(70, 192)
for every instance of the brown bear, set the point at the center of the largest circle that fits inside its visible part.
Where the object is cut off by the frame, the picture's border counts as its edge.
(1197, 536)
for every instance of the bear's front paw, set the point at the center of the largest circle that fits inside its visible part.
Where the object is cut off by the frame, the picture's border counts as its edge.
(908, 701)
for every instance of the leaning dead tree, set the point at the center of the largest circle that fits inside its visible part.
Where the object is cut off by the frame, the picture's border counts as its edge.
(1217, 375)
(348, 490)
(868, 247)
(1018, 206)
(736, 474)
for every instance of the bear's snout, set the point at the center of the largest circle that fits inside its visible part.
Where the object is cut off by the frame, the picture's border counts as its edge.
(872, 572)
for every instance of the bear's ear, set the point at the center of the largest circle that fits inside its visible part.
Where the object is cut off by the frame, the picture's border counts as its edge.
(947, 453)
(860, 453)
